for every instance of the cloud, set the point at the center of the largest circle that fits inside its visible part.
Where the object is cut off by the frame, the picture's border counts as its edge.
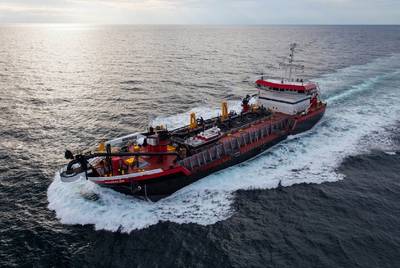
(13, 7)
(203, 11)
(120, 4)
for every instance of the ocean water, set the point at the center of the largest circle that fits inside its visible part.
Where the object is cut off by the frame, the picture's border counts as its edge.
(68, 86)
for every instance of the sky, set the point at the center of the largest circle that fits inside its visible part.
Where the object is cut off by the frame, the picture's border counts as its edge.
(201, 11)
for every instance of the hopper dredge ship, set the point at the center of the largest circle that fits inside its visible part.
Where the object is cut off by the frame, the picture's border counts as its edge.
(158, 162)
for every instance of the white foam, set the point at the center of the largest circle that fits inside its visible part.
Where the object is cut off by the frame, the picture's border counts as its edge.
(362, 100)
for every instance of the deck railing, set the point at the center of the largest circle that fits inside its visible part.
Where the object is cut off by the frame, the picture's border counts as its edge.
(232, 145)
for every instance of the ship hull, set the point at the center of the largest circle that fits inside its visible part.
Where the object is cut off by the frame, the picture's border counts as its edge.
(155, 189)
(162, 186)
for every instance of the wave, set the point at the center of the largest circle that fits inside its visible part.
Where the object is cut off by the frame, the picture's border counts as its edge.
(362, 101)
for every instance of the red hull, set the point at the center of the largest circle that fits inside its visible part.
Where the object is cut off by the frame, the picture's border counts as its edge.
(235, 148)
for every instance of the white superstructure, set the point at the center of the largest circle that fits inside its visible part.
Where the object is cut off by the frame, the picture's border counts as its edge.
(287, 103)
(288, 95)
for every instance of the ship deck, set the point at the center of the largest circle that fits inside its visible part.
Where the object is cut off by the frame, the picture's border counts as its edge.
(167, 162)
(274, 118)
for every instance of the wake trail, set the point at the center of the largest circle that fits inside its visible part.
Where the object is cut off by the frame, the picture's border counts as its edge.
(362, 100)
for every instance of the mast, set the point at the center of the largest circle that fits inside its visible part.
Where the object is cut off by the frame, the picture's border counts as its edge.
(291, 66)
(291, 57)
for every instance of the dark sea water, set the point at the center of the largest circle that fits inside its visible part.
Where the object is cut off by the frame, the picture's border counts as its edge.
(70, 86)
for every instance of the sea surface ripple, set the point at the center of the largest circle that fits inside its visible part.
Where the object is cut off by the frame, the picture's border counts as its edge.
(70, 86)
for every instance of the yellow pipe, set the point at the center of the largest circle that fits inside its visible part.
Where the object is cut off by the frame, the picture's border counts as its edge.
(193, 121)
(224, 108)
(102, 147)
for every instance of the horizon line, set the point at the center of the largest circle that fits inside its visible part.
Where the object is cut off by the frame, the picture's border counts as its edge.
(196, 24)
